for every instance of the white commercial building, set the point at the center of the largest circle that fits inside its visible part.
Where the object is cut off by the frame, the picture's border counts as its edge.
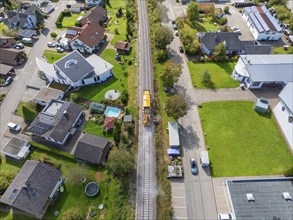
(173, 134)
(261, 23)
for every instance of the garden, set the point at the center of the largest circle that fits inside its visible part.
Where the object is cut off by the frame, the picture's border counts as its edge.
(220, 74)
(242, 142)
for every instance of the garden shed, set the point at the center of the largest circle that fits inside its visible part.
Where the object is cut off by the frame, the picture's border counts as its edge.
(261, 105)
(97, 107)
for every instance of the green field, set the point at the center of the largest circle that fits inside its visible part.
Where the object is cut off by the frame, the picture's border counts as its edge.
(220, 74)
(242, 142)
(280, 50)
(69, 21)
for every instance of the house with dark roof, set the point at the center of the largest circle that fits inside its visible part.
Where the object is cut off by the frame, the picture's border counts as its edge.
(46, 94)
(122, 47)
(33, 189)
(24, 19)
(57, 121)
(97, 14)
(76, 70)
(92, 148)
(11, 56)
(261, 23)
(7, 42)
(209, 41)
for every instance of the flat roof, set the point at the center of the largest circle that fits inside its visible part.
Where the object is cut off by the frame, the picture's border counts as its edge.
(15, 146)
(53, 107)
(173, 134)
(287, 95)
(268, 198)
(47, 93)
(100, 65)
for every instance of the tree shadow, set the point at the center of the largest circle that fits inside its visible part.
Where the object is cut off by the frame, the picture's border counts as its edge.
(173, 55)
(188, 138)
(265, 115)
(182, 91)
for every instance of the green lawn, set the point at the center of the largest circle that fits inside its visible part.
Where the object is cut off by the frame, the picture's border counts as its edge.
(280, 50)
(207, 25)
(96, 129)
(53, 56)
(111, 194)
(2, 27)
(70, 20)
(220, 74)
(242, 142)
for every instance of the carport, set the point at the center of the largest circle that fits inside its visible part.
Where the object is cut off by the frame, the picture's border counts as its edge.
(26, 33)
(6, 69)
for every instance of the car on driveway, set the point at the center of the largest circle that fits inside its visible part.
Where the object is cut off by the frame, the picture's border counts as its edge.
(59, 49)
(174, 27)
(8, 81)
(236, 30)
(176, 33)
(181, 49)
(193, 166)
(225, 216)
(51, 44)
(18, 46)
(13, 126)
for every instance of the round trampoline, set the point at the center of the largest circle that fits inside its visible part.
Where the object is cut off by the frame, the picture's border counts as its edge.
(112, 94)
(91, 189)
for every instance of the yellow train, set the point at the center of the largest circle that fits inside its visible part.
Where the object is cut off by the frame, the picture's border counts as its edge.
(146, 107)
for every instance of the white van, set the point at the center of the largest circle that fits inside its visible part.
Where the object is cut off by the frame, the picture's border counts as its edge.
(27, 40)
(13, 126)
(204, 158)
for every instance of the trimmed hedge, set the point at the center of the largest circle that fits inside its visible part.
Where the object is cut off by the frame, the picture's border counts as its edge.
(51, 150)
(65, 13)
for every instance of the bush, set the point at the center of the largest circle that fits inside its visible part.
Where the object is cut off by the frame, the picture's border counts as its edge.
(53, 35)
(117, 131)
(240, 11)
(120, 162)
(161, 56)
(77, 24)
(226, 9)
(116, 31)
(6, 177)
(73, 214)
(206, 79)
(289, 172)
(222, 21)
(74, 97)
(124, 97)
(29, 114)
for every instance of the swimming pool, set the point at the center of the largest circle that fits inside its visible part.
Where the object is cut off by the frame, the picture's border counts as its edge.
(112, 111)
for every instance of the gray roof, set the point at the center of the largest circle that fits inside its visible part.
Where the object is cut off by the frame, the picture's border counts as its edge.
(55, 126)
(92, 148)
(15, 17)
(268, 194)
(14, 146)
(173, 134)
(258, 49)
(74, 66)
(286, 95)
(4, 68)
(31, 188)
(47, 93)
(212, 39)
(26, 33)
(127, 118)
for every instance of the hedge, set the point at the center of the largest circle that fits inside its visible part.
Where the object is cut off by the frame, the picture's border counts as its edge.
(62, 14)
(51, 150)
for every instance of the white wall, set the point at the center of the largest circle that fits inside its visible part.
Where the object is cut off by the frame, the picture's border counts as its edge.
(285, 125)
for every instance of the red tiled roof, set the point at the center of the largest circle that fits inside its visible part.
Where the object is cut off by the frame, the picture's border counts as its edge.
(109, 122)
(121, 45)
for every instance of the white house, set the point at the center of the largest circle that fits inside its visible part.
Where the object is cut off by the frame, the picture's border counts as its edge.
(76, 70)
(284, 112)
(256, 70)
(261, 23)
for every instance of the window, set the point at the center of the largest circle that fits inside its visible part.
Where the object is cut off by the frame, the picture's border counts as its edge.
(82, 82)
(255, 84)
(290, 119)
(283, 108)
(98, 78)
(95, 79)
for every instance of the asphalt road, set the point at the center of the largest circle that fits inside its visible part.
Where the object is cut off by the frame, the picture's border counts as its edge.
(146, 168)
(24, 73)
(199, 194)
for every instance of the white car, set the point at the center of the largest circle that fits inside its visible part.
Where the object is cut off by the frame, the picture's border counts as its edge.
(51, 44)
(225, 216)
(59, 49)
(13, 126)
(236, 30)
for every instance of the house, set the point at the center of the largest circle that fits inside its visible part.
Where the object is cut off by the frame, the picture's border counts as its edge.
(16, 148)
(92, 3)
(24, 19)
(47, 7)
(109, 123)
(283, 112)
(173, 134)
(122, 47)
(46, 94)
(97, 14)
(85, 39)
(76, 70)
(7, 42)
(33, 189)
(209, 41)
(57, 121)
(92, 148)
(26, 33)
(262, 198)
(12, 56)
(256, 70)
(261, 23)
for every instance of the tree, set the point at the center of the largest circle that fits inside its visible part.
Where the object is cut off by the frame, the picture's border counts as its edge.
(53, 35)
(210, 12)
(124, 97)
(73, 214)
(170, 73)
(29, 114)
(117, 131)
(6, 177)
(161, 55)
(176, 106)
(74, 96)
(206, 79)
(77, 175)
(163, 37)
(192, 12)
(39, 16)
(226, 9)
(190, 43)
(277, 2)
(220, 52)
(120, 162)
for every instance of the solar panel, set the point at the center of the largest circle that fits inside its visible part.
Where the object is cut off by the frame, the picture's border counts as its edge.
(256, 22)
(71, 32)
(262, 22)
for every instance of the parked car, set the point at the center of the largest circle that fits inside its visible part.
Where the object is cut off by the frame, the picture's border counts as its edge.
(174, 27)
(225, 216)
(8, 81)
(51, 44)
(236, 29)
(193, 165)
(68, 6)
(27, 40)
(181, 49)
(13, 126)
(173, 21)
(59, 49)
(18, 46)
(176, 33)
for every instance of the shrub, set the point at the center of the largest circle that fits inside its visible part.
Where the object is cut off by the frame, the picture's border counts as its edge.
(29, 114)
(240, 11)
(226, 9)
(74, 97)
(53, 35)
(222, 21)
(73, 214)
(161, 56)
(116, 31)
(206, 79)
(6, 178)
(124, 97)
(77, 24)
(42, 157)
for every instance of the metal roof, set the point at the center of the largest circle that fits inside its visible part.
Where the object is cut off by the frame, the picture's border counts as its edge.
(286, 95)
(173, 134)
(268, 198)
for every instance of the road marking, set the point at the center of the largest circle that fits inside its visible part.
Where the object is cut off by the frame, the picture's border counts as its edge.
(176, 217)
(178, 197)
(179, 207)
